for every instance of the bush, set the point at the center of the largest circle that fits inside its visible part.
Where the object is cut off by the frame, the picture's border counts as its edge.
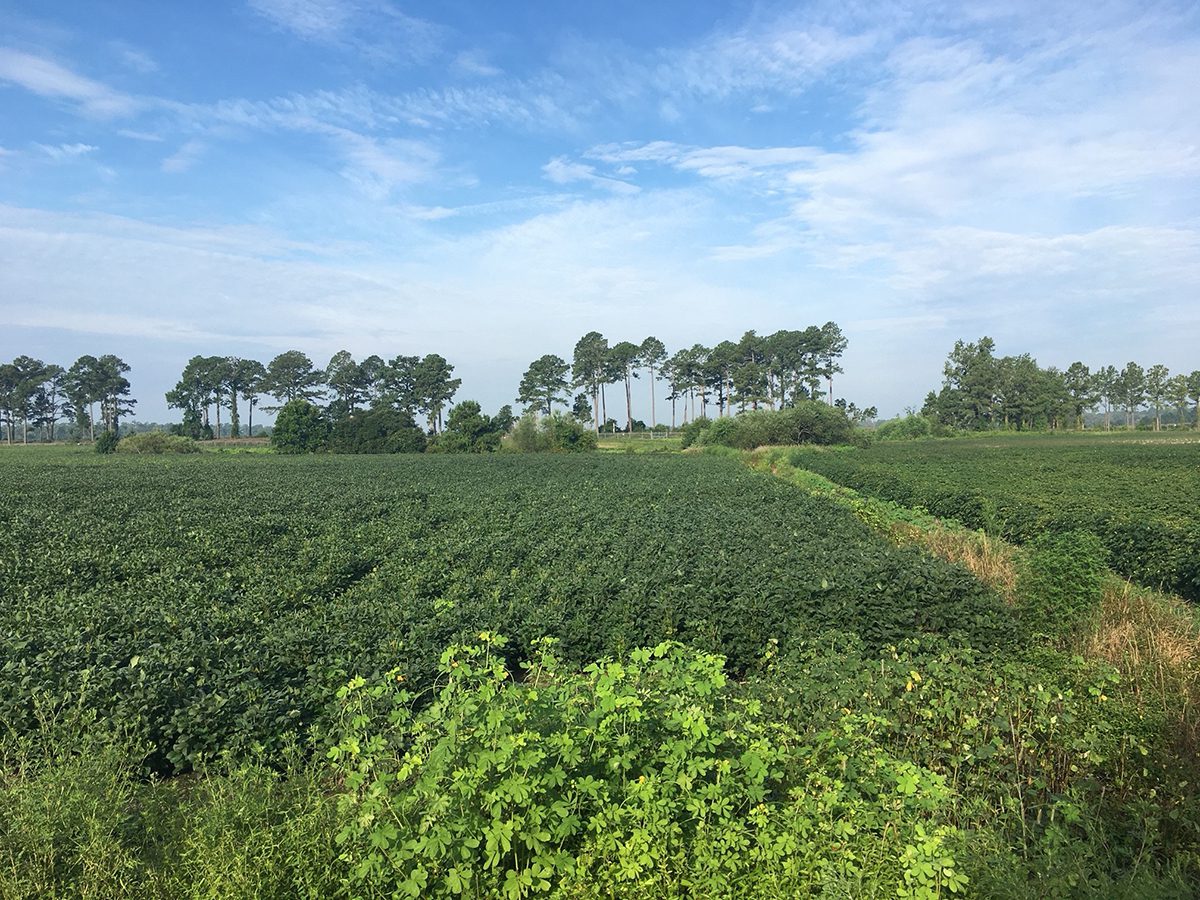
(468, 430)
(911, 427)
(643, 776)
(1062, 581)
(300, 427)
(377, 431)
(809, 422)
(690, 433)
(107, 442)
(81, 819)
(554, 433)
(157, 442)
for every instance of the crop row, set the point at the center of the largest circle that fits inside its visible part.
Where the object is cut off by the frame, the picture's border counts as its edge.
(1141, 499)
(214, 602)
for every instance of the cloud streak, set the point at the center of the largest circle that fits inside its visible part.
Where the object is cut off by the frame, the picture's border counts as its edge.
(373, 28)
(47, 78)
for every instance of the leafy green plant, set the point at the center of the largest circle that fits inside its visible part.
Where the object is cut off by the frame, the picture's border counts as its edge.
(549, 433)
(640, 776)
(157, 442)
(1061, 582)
(107, 442)
(300, 427)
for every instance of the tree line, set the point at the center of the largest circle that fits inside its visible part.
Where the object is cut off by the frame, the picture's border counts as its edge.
(408, 385)
(983, 391)
(35, 396)
(772, 372)
(758, 371)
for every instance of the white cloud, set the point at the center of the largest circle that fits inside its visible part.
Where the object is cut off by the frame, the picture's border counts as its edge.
(784, 55)
(145, 136)
(184, 158)
(66, 152)
(134, 59)
(374, 29)
(377, 167)
(47, 78)
(729, 162)
(560, 171)
(475, 62)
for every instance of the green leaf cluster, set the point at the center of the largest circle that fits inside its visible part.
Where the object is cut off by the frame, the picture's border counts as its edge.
(646, 775)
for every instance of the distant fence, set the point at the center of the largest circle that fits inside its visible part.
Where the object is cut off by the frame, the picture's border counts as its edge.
(639, 435)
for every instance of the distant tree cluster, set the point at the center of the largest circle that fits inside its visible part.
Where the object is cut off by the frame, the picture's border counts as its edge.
(35, 396)
(773, 372)
(345, 391)
(983, 391)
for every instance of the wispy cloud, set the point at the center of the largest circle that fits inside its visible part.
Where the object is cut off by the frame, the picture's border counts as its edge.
(379, 167)
(730, 162)
(184, 158)
(134, 59)
(134, 135)
(561, 171)
(778, 55)
(374, 28)
(47, 78)
(475, 62)
(66, 152)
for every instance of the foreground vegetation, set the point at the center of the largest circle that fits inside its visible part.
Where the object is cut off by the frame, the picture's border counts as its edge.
(271, 676)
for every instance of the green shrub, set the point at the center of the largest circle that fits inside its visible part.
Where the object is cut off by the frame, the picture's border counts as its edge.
(809, 422)
(300, 427)
(1061, 582)
(157, 442)
(553, 433)
(377, 431)
(81, 819)
(107, 442)
(690, 433)
(1057, 772)
(468, 430)
(911, 427)
(644, 776)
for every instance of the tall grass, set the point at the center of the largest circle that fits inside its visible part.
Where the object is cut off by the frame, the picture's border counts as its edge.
(1153, 640)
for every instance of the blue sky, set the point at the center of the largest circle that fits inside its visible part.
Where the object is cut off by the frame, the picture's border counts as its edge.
(490, 181)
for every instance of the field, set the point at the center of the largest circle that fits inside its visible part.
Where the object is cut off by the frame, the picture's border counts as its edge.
(1140, 495)
(610, 674)
(219, 601)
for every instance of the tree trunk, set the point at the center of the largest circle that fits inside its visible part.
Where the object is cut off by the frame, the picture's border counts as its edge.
(218, 417)
(603, 404)
(596, 405)
(92, 421)
(628, 403)
(250, 420)
(234, 419)
(653, 417)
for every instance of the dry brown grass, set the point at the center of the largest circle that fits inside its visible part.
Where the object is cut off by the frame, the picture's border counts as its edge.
(991, 560)
(1153, 640)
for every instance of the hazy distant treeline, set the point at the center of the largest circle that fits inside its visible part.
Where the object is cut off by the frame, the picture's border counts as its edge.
(983, 391)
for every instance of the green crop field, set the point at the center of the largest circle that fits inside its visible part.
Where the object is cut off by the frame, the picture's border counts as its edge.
(221, 600)
(565, 675)
(1139, 494)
